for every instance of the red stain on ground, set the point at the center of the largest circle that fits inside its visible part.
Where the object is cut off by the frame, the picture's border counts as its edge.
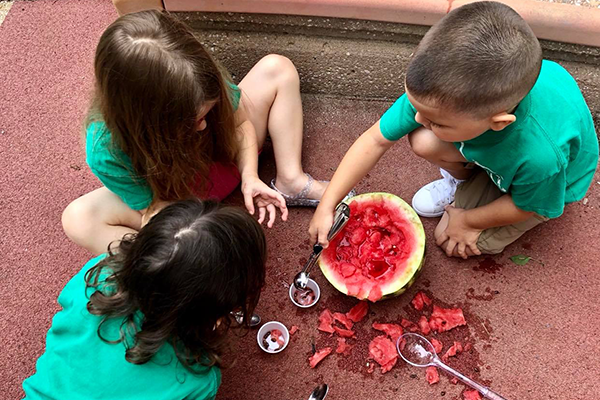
(487, 265)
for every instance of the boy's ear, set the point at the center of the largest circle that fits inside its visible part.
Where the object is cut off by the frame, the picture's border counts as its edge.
(501, 121)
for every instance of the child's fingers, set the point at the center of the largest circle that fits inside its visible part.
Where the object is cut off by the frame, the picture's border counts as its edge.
(249, 203)
(462, 250)
(284, 214)
(475, 249)
(450, 247)
(442, 238)
(272, 215)
(261, 214)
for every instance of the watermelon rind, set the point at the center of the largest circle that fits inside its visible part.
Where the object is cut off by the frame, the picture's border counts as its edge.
(413, 264)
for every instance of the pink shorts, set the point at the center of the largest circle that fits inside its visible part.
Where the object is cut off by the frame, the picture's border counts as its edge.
(223, 179)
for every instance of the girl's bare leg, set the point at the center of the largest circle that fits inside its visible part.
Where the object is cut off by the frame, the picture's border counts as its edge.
(98, 218)
(271, 92)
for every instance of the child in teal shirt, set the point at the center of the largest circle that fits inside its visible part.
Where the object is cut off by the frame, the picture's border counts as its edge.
(511, 132)
(149, 320)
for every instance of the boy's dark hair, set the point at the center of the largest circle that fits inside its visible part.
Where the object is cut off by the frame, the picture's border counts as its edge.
(177, 280)
(481, 59)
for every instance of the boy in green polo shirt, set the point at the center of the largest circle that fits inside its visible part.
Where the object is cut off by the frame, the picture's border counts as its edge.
(511, 133)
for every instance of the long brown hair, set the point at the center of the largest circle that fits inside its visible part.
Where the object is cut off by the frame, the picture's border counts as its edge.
(152, 78)
(185, 271)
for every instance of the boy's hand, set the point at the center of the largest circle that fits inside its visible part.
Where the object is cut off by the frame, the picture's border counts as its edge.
(256, 192)
(459, 234)
(320, 225)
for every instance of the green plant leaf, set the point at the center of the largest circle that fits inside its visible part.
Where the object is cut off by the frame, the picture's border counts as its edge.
(520, 259)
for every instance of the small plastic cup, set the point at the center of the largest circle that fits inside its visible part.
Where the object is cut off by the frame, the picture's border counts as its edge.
(312, 285)
(266, 328)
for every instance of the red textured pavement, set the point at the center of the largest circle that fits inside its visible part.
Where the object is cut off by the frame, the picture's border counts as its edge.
(533, 327)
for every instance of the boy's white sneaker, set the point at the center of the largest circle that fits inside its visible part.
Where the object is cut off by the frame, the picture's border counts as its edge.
(431, 200)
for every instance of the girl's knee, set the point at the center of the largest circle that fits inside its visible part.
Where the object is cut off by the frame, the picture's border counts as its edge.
(279, 68)
(76, 219)
(423, 142)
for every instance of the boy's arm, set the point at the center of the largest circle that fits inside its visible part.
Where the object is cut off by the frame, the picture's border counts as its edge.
(358, 161)
(465, 226)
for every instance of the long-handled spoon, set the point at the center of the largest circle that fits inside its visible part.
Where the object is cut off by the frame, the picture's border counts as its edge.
(419, 352)
(319, 393)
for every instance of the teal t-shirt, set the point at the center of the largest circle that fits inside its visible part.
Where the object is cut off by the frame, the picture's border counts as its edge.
(78, 365)
(114, 168)
(545, 159)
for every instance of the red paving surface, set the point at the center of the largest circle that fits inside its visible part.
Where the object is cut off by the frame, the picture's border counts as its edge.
(533, 327)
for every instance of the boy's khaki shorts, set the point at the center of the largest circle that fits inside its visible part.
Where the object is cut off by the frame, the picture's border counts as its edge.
(478, 191)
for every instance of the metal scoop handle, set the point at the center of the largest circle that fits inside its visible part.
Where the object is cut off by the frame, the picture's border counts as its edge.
(340, 218)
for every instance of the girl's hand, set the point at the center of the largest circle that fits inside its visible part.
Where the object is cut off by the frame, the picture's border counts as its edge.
(459, 234)
(320, 224)
(256, 192)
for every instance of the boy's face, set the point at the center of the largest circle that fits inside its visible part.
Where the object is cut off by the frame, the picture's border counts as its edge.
(450, 126)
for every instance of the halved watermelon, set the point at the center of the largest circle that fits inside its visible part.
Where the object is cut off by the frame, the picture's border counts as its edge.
(380, 250)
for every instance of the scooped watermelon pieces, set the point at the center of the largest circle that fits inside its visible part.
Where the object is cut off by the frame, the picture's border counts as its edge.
(452, 351)
(392, 330)
(343, 347)
(344, 332)
(420, 300)
(409, 325)
(471, 395)
(358, 312)
(424, 325)
(384, 352)
(431, 373)
(343, 319)
(326, 321)
(437, 345)
(318, 356)
(444, 319)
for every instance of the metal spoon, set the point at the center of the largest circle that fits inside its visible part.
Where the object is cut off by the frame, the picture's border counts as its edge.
(239, 318)
(419, 352)
(341, 217)
(319, 393)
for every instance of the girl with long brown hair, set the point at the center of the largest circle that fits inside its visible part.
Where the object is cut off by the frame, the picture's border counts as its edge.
(150, 320)
(167, 124)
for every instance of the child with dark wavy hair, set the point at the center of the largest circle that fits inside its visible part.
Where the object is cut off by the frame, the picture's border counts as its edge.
(149, 320)
(167, 123)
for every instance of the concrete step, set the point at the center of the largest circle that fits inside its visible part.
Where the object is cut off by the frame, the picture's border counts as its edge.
(350, 58)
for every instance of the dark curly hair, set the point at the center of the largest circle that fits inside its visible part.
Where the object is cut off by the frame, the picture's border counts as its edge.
(185, 271)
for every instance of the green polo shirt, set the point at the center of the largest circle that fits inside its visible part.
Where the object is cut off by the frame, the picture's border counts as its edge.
(114, 168)
(78, 365)
(545, 159)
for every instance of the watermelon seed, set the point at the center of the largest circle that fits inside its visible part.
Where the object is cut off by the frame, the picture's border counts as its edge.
(443, 394)
(413, 376)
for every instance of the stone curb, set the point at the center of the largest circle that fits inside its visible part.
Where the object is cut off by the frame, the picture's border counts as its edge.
(552, 21)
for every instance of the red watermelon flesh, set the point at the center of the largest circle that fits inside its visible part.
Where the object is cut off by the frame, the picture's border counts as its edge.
(343, 319)
(444, 319)
(358, 312)
(452, 351)
(392, 330)
(437, 345)
(431, 373)
(471, 395)
(318, 356)
(344, 332)
(343, 347)
(326, 322)
(384, 352)
(409, 325)
(374, 248)
(420, 300)
(424, 325)
(293, 330)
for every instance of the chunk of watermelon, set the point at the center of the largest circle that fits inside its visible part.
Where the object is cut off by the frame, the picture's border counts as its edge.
(394, 331)
(318, 356)
(326, 321)
(293, 330)
(409, 325)
(455, 349)
(278, 335)
(384, 352)
(431, 373)
(444, 319)
(343, 347)
(424, 325)
(343, 319)
(420, 300)
(344, 332)
(471, 395)
(358, 312)
(437, 345)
